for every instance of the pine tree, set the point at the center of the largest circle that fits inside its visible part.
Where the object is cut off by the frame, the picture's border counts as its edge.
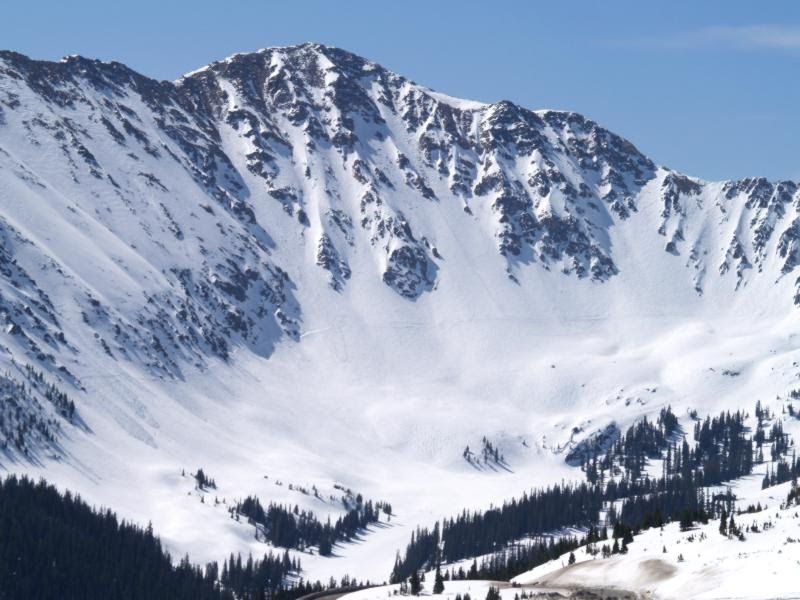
(438, 585)
(415, 583)
(325, 547)
(473, 570)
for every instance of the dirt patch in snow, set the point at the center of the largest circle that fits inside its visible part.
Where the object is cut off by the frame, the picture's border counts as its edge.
(656, 569)
(593, 579)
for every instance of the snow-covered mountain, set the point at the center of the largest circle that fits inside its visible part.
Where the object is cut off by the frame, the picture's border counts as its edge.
(297, 267)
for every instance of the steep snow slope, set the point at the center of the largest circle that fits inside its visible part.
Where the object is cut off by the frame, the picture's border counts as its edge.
(297, 264)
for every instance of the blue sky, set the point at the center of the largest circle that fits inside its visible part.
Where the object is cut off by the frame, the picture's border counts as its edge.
(710, 88)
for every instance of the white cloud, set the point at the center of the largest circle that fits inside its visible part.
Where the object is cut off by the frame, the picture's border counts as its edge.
(779, 37)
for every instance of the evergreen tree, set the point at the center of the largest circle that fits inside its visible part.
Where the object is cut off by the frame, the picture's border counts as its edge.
(325, 547)
(438, 585)
(415, 584)
(473, 570)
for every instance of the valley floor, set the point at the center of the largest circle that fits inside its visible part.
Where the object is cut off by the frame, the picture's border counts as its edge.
(394, 435)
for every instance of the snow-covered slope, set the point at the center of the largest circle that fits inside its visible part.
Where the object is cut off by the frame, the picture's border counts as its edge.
(697, 563)
(296, 267)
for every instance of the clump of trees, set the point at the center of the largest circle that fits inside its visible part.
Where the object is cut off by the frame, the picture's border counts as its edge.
(290, 527)
(204, 482)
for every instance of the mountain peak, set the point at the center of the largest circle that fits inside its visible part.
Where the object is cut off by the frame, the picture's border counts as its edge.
(301, 58)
